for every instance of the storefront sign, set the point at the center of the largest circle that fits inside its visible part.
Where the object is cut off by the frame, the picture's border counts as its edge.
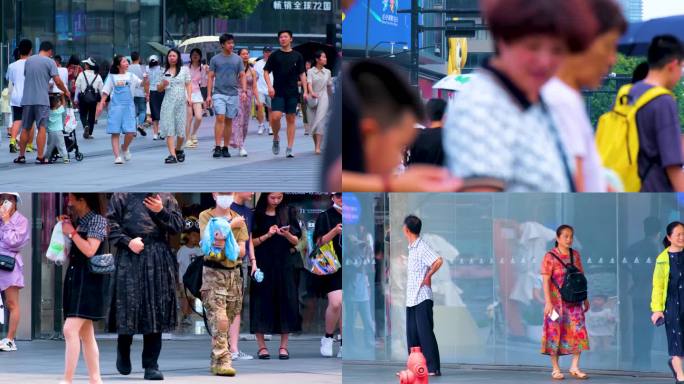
(300, 5)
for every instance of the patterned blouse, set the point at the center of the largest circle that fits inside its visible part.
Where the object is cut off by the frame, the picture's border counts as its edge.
(94, 225)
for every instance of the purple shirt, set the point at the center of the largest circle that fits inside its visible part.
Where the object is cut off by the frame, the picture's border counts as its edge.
(660, 143)
(14, 235)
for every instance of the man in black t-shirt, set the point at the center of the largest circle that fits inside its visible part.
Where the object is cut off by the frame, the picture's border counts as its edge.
(288, 68)
(428, 148)
(329, 227)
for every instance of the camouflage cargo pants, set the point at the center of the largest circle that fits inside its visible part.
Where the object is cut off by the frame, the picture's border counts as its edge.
(222, 297)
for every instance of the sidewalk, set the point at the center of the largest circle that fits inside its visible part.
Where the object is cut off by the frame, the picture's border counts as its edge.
(365, 372)
(181, 361)
(260, 170)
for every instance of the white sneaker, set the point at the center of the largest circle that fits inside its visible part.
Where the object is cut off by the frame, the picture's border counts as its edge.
(118, 160)
(326, 346)
(339, 353)
(243, 153)
(270, 131)
(127, 155)
(261, 129)
(155, 137)
(239, 355)
(7, 345)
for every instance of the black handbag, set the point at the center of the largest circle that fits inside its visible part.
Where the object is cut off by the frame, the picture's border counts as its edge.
(7, 263)
(102, 264)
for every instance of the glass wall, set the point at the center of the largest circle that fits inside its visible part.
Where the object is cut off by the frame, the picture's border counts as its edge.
(488, 295)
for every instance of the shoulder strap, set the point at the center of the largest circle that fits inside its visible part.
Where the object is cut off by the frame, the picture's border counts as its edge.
(552, 253)
(649, 96)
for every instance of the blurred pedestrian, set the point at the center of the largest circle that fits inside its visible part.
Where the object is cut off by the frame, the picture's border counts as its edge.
(264, 98)
(428, 147)
(156, 97)
(139, 94)
(319, 81)
(198, 79)
(241, 122)
(89, 87)
(15, 76)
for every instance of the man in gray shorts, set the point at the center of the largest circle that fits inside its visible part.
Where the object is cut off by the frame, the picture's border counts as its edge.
(39, 70)
(226, 71)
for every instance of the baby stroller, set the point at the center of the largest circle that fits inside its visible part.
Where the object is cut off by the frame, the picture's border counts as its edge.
(70, 141)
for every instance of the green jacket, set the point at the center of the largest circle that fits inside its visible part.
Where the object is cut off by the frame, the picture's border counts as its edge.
(661, 278)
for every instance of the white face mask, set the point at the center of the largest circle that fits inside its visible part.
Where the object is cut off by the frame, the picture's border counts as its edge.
(338, 207)
(223, 201)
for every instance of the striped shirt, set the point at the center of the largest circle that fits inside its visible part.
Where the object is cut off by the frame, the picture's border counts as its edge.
(420, 259)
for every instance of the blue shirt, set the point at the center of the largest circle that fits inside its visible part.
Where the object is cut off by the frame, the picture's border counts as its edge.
(248, 214)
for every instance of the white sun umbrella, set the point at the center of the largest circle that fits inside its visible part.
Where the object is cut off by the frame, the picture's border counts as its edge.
(453, 82)
(201, 42)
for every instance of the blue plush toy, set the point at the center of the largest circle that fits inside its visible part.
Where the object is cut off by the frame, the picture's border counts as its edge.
(219, 227)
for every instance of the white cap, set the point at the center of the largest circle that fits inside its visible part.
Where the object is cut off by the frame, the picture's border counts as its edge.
(89, 61)
(153, 58)
(15, 194)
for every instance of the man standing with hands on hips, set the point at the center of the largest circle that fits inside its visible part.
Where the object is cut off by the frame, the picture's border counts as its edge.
(423, 262)
(287, 67)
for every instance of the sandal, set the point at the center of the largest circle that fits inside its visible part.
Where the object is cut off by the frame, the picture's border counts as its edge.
(20, 160)
(283, 356)
(41, 160)
(577, 374)
(557, 375)
(171, 160)
(264, 356)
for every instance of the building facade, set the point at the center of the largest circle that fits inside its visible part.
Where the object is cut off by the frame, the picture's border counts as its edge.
(633, 9)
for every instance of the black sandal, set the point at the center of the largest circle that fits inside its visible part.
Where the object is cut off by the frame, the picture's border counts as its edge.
(283, 356)
(171, 160)
(20, 160)
(41, 160)
(180, 155)
(265, 356)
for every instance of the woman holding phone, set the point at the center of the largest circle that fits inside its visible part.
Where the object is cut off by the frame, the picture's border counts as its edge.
(667, 289)
(564, 330)
(274, 302)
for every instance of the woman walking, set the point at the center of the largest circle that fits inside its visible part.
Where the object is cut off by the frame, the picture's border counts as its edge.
(85, 292)
(319, 81)
(198, 78)
(154, 73)
(88, 88)
(14, 234)
(564, 331)
(665, 297)
(120, 85)
(144, 298)
(241, 122)
(177, 97)
(274, 305)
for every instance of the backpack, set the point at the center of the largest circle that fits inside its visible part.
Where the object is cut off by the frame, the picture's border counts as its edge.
(89, 95)
(574, 288)
(617, 138)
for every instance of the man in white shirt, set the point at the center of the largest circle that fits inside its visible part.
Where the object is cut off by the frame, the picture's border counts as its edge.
(423, 262)
(15, 76)
(262, 88)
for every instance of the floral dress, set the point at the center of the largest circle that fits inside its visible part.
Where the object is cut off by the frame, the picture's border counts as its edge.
(241, 122)
(173, 109)
(568, 334)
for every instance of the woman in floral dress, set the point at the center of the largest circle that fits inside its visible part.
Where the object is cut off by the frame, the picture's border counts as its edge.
(566, 335)
(241, 122)
(177, 90)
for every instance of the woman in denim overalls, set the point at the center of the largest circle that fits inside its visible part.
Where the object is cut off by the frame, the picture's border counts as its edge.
(121, 117)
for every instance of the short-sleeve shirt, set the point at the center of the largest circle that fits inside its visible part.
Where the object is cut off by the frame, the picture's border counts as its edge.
(325, 222)
(127, 79)
(660, 143)
(227, 69)
(139, 71)
(286, 68)
(493, 130)
(64, 76)
(93, 225)
(241, 234)
(15, 74)
(420, 260)
(155, 75)
(552, 267)
(261, 81)
(38, 71)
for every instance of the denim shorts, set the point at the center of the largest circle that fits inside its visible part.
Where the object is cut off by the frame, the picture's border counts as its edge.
(226, 105)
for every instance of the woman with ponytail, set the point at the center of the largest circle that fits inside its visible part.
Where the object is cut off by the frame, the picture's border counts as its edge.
(668, 281)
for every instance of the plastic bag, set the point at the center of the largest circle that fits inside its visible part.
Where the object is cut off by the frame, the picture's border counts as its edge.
(70, 123)
(58, 248)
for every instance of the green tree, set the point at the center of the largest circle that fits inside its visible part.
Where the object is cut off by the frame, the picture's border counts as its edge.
(195, 10)
(601, 101)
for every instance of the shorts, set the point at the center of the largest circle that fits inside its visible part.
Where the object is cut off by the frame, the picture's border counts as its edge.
(226, 105)
(287, 105)
(197, 97)
(265, 99)
(16, 113)
(34, 114)
(320, 286)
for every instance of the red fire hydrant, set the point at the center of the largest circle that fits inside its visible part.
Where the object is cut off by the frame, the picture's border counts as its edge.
(416, 372)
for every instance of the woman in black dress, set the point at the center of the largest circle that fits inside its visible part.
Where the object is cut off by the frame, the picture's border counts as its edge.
(667, 302)
(85, 293)
(144, 299)
(274, 305)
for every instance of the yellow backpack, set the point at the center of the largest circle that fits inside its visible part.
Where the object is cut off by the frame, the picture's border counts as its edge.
(617, 138)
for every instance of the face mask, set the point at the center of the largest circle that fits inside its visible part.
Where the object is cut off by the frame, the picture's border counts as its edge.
(338, 207)
(223, 201)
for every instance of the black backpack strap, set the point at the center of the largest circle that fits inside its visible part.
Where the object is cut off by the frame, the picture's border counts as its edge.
(562, 263)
